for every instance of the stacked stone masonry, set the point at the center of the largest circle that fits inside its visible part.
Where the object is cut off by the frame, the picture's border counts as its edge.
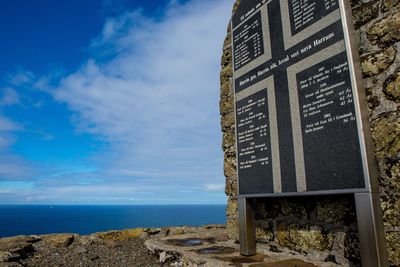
(326, 227)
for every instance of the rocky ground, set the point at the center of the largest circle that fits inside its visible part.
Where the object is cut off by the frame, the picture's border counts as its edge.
(112, 248)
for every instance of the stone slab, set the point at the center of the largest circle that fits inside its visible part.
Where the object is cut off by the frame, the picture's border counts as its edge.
(211, 248)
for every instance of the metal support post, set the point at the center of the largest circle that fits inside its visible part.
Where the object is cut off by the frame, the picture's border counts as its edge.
(370, 230)
(247, 231)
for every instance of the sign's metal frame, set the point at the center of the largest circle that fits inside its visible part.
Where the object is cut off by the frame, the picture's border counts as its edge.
(367, 202)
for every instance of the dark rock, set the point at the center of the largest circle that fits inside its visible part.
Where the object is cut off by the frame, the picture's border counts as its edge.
(94, 257)
(16, 248)
(153, 231)
(274, 248)
(6, 256)
(364, 13)
(331, 258)
(391, 87)
(16, 242)
(354, 3)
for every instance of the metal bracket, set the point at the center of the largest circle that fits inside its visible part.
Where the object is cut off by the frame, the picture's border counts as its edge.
(247, 230)
(370, 230)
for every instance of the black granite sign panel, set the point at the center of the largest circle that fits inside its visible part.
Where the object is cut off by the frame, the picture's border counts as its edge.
(304, 13)
(300, 132)
(253, 143)
(248, 43)
(328, 121)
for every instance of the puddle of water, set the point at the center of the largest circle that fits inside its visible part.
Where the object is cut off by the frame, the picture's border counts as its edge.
(216, 250)
(189, 242)
(193, 242)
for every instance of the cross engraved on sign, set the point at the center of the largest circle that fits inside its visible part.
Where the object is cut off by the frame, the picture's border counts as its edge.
(296, 124)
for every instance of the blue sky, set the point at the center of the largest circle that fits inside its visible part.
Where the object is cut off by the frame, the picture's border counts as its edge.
(111, 102)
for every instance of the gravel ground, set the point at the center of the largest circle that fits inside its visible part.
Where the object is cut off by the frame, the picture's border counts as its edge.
(113, 248)
(105, 253)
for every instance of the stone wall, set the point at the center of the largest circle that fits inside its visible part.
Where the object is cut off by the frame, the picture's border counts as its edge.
(326, 227)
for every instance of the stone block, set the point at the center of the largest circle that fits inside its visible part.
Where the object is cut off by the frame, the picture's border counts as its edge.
(229, 166)
(227, 121)
(386, 31)
(226, 104)
(393, 240)
(387, 5)
(386, 135)
(364, 13)
(391, 87)
(123, 234)
(226, 88)
(377, 62)
(58, 240)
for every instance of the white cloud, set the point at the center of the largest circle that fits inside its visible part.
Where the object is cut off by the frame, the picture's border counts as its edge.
(6, 140)
(9, 97)
(214, 187)
(104, 193)
(12, 167)
(15, 168)
(156, 100)
(21, 78)
(8, 125)
(7, 128)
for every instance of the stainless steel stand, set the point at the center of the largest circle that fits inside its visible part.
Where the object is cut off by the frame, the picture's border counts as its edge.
(370, 230)
(247, 230)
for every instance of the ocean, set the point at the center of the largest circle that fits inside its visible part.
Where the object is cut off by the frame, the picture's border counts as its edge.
(86, 219)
